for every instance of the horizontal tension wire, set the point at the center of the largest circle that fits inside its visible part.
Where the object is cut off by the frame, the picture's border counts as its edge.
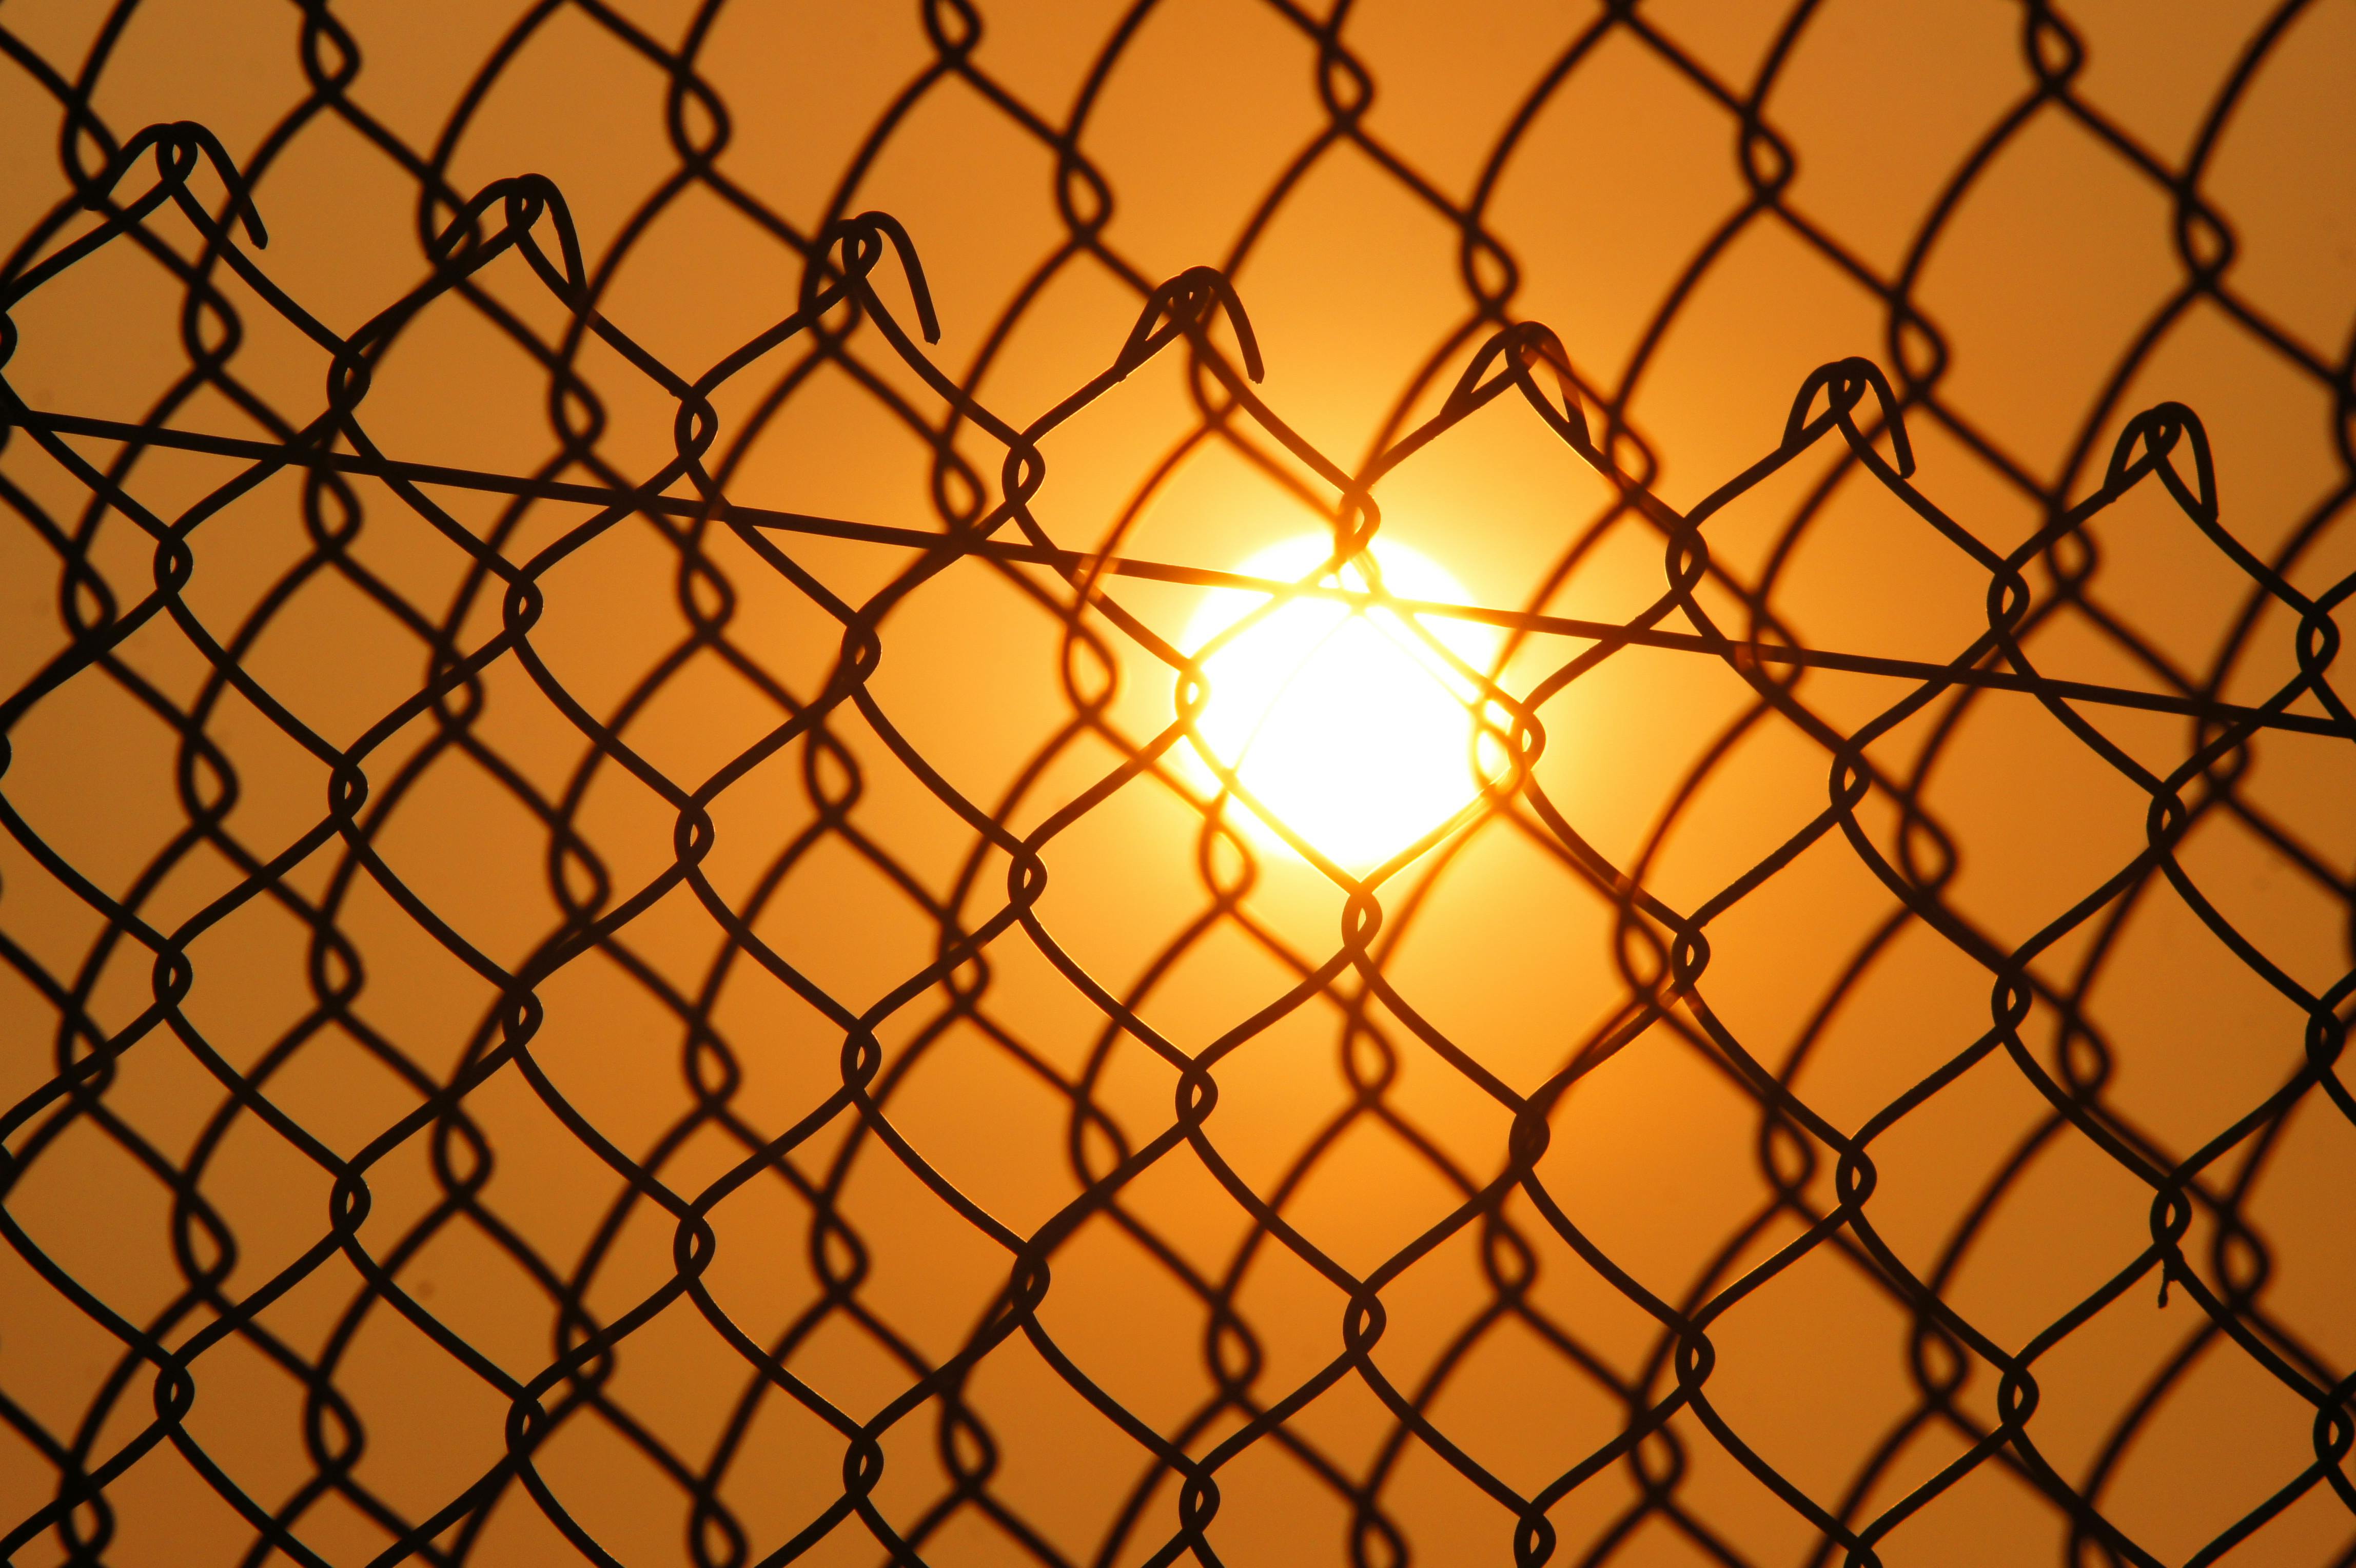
(1080, 560)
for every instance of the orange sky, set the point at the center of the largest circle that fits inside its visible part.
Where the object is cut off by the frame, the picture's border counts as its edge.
(2023, 259)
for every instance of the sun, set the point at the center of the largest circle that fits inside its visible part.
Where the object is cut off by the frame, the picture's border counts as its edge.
(1340, 720)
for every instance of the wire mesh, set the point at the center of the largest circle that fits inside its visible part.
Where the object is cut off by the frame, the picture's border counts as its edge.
(551, 1054)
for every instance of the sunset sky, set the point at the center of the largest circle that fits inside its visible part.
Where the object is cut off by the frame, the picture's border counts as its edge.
(1110, 783)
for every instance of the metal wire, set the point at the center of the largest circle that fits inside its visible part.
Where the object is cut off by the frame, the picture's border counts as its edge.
(1812, 1195)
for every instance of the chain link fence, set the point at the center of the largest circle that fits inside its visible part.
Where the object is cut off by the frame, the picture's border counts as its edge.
(619, 962)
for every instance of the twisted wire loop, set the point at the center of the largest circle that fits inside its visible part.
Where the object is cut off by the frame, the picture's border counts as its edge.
(618, 1090)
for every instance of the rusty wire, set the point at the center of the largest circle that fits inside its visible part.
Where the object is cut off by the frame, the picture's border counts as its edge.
(147, 189)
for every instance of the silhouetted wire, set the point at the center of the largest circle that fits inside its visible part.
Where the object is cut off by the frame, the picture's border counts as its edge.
(137, 191)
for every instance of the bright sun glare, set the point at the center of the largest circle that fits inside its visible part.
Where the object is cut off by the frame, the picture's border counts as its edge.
(1341, 721)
